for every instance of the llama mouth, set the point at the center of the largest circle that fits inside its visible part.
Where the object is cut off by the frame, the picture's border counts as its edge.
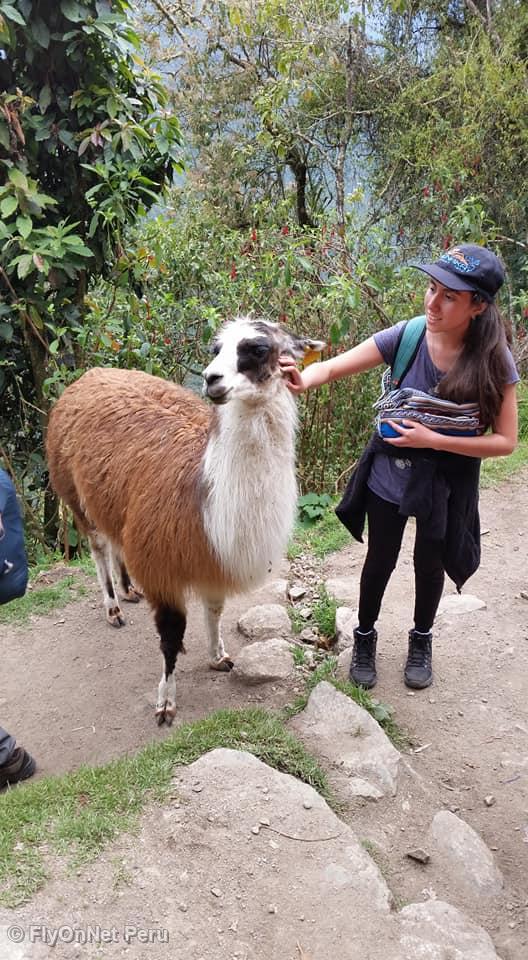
(220, 398)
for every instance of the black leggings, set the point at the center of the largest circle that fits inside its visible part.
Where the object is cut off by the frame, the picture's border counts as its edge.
(385, 533)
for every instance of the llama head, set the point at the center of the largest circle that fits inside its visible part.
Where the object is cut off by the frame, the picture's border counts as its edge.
(246, 358)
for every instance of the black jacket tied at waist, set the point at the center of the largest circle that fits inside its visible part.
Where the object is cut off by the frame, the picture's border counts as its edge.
(441, 492)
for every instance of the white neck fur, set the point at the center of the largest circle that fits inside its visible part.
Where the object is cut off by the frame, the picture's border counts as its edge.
(249, 470)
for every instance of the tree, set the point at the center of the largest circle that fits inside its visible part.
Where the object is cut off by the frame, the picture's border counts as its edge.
(87, 144)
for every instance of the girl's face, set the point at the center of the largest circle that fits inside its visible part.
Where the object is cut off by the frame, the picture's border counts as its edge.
(449, 311)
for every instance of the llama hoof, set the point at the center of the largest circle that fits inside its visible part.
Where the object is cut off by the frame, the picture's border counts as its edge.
(165, 713)
(115, 617)
(133, 595)
(224, 665)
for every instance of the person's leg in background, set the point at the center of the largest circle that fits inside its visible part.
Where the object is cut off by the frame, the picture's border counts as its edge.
(429, 576)
(15, 762)
(385, 533)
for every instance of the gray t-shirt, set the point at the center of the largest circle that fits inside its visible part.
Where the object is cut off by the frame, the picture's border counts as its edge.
(388, 475)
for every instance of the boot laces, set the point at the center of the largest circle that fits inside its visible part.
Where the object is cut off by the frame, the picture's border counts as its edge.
(419, 651)
(364, 651)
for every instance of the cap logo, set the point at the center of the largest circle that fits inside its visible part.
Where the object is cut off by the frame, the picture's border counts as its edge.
(462, 262)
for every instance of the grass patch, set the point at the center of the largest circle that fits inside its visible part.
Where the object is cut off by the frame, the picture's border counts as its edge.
(380, 711)
(324, 613)
(325, 536)
(297, 622)
(77, 814)
(299, 656)
(42, 600)
(498, 469)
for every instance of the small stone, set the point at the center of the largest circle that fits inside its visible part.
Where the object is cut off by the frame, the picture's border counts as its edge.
(307, 804)
(265, 822)
(421, 856)
(272, 908)
(197, 787)
(297, 592)
(255, 830)
(489, 800)
(305, 613)
(183, 907)
(216, 891)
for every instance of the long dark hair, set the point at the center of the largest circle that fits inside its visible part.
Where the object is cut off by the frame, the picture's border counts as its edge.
(482, 369)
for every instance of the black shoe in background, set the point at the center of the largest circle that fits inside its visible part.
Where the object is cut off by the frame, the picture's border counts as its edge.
(418, 672)
(363, 663)
(20, 766)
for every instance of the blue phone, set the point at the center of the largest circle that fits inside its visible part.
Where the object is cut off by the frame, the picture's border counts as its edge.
(385, 429)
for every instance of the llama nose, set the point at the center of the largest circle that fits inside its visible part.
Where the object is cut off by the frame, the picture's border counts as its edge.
(212, 379)
(215, 387)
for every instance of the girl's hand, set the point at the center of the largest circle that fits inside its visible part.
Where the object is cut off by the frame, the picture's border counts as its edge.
(292, 375)
(412, 434)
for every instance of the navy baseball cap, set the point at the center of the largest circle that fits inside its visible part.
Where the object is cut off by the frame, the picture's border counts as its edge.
(467, 267)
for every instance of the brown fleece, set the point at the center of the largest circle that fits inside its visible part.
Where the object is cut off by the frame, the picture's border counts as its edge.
(124, 452)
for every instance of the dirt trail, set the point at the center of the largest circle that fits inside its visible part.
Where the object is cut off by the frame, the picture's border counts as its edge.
(75, 691)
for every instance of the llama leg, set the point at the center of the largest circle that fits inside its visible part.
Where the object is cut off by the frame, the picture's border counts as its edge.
(129, 592)
(218, 658)
(102, 554)
(170, 623)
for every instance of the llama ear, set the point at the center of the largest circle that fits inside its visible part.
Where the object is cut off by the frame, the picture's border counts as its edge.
(304, 347)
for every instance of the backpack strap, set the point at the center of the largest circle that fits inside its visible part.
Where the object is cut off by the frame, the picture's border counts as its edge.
(407, 348)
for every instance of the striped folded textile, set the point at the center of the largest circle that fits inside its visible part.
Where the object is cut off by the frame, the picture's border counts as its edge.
(441, 415)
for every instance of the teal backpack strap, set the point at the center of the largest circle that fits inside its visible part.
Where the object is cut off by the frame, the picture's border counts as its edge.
(411, 338)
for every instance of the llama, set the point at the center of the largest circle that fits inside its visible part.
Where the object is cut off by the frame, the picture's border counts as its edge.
(182, 495)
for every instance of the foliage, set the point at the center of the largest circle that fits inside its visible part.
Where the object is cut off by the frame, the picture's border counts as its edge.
(326, 150)
(312, 507)
(86, 146)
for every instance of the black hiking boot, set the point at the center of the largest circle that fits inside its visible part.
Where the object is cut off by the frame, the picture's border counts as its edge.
(418, 672)
(20, 766)
(363, 664)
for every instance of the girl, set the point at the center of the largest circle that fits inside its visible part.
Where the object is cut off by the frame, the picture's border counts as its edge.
(463, 357)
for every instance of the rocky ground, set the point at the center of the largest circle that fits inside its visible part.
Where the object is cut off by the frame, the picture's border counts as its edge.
(75, 691)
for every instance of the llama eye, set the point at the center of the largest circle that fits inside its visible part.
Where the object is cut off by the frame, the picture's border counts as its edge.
(259, 350)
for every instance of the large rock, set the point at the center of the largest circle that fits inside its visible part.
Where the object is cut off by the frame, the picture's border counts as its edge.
(270, 590)
(469, 860)
(264, 661)
(437, 931)
(344, 735)
(455, 604)
(240, 862)
(346, 620)
(265, 621)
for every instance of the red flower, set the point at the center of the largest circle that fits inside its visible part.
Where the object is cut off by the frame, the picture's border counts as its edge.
(285, 230)
(254, 235)
(426, 192)
(233, 272)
